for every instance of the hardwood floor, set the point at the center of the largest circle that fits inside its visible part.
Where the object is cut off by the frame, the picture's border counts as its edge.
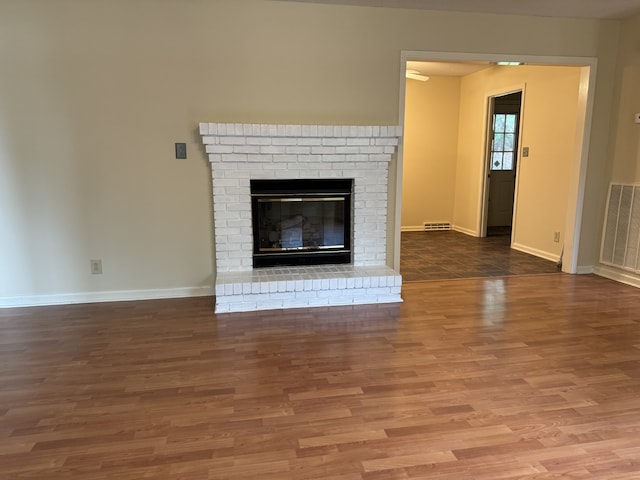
(531, 377)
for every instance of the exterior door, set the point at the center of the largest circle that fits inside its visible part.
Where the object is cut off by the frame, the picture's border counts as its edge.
(503, 159)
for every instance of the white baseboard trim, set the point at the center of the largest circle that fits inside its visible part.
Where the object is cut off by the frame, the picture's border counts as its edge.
(535, 252)
(617, 275)
(466, 231)
(113, 296)
(585, 270)
(410, 228)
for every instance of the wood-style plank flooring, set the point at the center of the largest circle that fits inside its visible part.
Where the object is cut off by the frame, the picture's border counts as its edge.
(450, 254)
(530, 377)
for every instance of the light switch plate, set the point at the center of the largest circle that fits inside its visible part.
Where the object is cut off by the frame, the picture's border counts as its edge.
(525, 151)
(181, 150)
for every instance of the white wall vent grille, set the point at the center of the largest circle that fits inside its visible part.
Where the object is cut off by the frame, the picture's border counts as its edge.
(621, 239)
(431, 227)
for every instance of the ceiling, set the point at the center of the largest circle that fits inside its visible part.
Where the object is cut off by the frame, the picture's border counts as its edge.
(541, 8)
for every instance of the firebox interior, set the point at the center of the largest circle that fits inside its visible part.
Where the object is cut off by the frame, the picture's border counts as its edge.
(301, 221)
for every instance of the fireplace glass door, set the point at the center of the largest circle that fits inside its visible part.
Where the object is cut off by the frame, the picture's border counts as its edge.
(301, 223)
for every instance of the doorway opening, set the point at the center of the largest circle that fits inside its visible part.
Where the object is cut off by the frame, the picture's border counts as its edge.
(502, 161)
(540, 211)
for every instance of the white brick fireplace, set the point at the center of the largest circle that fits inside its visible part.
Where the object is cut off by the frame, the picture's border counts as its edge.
(240, 153)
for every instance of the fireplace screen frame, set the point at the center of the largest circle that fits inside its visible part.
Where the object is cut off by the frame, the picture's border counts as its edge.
(302, 190)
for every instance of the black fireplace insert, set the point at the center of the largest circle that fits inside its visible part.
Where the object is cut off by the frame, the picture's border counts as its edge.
(301, 221)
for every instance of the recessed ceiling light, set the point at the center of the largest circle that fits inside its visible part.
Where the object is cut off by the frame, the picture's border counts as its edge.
(416, 75)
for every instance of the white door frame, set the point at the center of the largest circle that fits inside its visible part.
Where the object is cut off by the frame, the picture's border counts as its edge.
(579, 162)
(486, 169)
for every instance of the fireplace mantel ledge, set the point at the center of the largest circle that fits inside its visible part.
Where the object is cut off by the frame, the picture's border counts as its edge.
(272, 130)
(240, 143)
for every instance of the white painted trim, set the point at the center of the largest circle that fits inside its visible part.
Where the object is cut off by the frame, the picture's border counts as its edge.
(585, 270)
(397, 228)
(466, 231)
(583, 135)
(578, 177)
(412, 228)
(112, 296)
(496, 57)
(485, 184)
(535, 252)
(617, 275)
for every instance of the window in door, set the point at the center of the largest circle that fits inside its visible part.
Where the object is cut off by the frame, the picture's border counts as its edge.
(503, 145)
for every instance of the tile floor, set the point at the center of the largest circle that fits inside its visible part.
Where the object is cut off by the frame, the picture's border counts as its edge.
(450, 254)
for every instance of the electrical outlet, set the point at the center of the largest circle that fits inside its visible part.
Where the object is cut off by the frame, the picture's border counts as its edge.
(556, 237)
(96, 267)
(525, 151)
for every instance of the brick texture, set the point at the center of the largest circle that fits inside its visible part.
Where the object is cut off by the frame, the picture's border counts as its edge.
(239, 153)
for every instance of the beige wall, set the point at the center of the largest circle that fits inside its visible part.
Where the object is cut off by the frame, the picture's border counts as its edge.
(549, 128)
(94, 93)
(430, 146)
(626, 147)
(621, 160)
(430, 185)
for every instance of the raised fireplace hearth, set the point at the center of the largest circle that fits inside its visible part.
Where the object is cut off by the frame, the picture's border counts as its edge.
(347, 217)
